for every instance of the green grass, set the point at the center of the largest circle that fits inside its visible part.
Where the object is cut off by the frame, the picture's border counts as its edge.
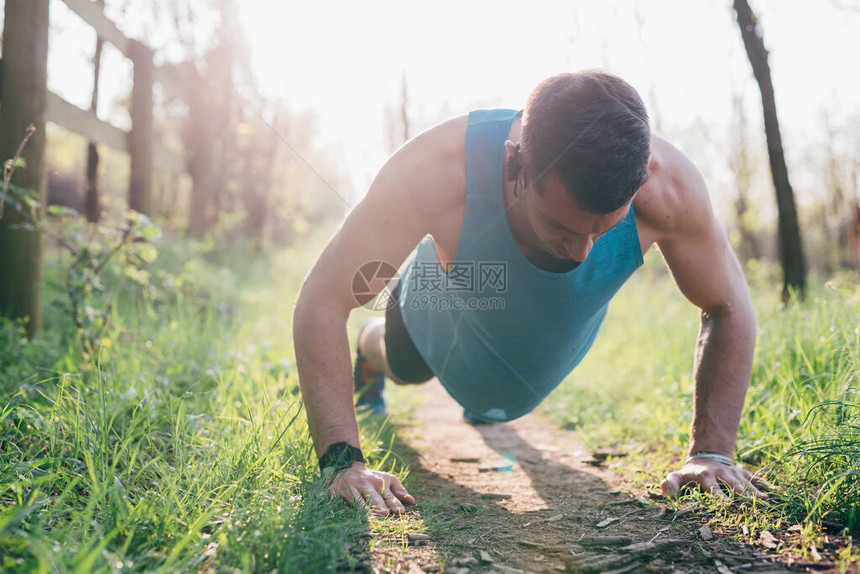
(183, 445)
(801, 423)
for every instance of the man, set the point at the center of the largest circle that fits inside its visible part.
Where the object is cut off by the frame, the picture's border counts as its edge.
(556, 206)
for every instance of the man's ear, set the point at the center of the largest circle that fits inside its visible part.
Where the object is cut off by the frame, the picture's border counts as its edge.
(513, 170)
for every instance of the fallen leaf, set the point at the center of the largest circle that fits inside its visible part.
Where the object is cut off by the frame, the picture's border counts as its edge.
(813, 551)
(722, 568)
(685, 511)
(607, 522)
(485, 556)
(768, 540)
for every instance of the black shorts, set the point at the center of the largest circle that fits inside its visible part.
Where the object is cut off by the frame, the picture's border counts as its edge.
(404, 360)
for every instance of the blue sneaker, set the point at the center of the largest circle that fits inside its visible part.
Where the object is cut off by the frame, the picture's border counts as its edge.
(369, 383)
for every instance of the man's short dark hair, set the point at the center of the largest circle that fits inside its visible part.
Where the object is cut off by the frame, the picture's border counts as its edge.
(592, 129)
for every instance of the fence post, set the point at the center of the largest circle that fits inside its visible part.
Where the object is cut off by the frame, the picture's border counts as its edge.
(140, 144)
(24, 95)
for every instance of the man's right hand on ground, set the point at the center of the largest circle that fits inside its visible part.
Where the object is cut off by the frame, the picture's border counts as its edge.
(382, 492)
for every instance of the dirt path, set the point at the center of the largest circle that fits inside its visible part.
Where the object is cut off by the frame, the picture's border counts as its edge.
(518, 497)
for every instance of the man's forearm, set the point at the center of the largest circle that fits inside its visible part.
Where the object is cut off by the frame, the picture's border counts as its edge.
(324, 362)
(723, 365)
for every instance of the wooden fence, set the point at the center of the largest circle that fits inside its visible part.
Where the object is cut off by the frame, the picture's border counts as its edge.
(25, 100)
(138, 142)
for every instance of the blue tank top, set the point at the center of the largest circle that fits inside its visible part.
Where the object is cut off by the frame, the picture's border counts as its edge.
(498, 332)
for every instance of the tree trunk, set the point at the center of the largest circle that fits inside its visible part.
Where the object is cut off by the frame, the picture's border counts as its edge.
(854, 234)
(92, 203)
(141, 137)
(791, 248)
(741, 166)
(199, 140)
(24, 93)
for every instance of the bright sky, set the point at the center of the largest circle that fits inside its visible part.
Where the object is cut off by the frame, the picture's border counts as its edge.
(343, 60)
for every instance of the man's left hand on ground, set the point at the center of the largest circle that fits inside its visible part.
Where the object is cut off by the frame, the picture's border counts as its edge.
(717, 478)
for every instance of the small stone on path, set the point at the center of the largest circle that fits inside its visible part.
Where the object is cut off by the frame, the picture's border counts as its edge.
(415, 537)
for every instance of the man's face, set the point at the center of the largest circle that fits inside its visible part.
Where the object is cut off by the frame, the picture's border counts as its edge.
(564, 229)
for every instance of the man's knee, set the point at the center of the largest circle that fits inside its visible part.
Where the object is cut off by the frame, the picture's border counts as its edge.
(398, 381)
(390, 374)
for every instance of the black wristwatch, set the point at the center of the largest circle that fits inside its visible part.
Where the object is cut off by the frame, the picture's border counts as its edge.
(340, 455)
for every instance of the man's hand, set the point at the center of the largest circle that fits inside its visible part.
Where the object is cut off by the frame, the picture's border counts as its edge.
(380, 491)
(713, 477)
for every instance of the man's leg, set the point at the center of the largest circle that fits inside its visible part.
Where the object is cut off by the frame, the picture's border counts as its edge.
(368, 380)
(372, 345)
(373, 350)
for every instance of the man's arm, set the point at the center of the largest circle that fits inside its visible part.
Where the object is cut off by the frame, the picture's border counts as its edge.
(707, 272)
(406, 196)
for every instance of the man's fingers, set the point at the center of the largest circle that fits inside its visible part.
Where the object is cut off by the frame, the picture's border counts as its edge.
(357, 498)
(748, 488)
(671, 485)
(745, 486)
(394, 505)
(761, 483)
(757, 481)
(714, 489)
(391, 501)
(376, 502)
(718, 481)
(381, 492)
(398, 490)
(741, 487)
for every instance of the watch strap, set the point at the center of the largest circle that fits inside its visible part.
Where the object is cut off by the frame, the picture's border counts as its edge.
(340, 455)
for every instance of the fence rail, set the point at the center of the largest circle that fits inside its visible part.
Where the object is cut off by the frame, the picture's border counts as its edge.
(84, 122)
(92, 14)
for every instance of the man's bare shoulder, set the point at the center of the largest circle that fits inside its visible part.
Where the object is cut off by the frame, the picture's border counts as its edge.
(431, 167)
(674, 198)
